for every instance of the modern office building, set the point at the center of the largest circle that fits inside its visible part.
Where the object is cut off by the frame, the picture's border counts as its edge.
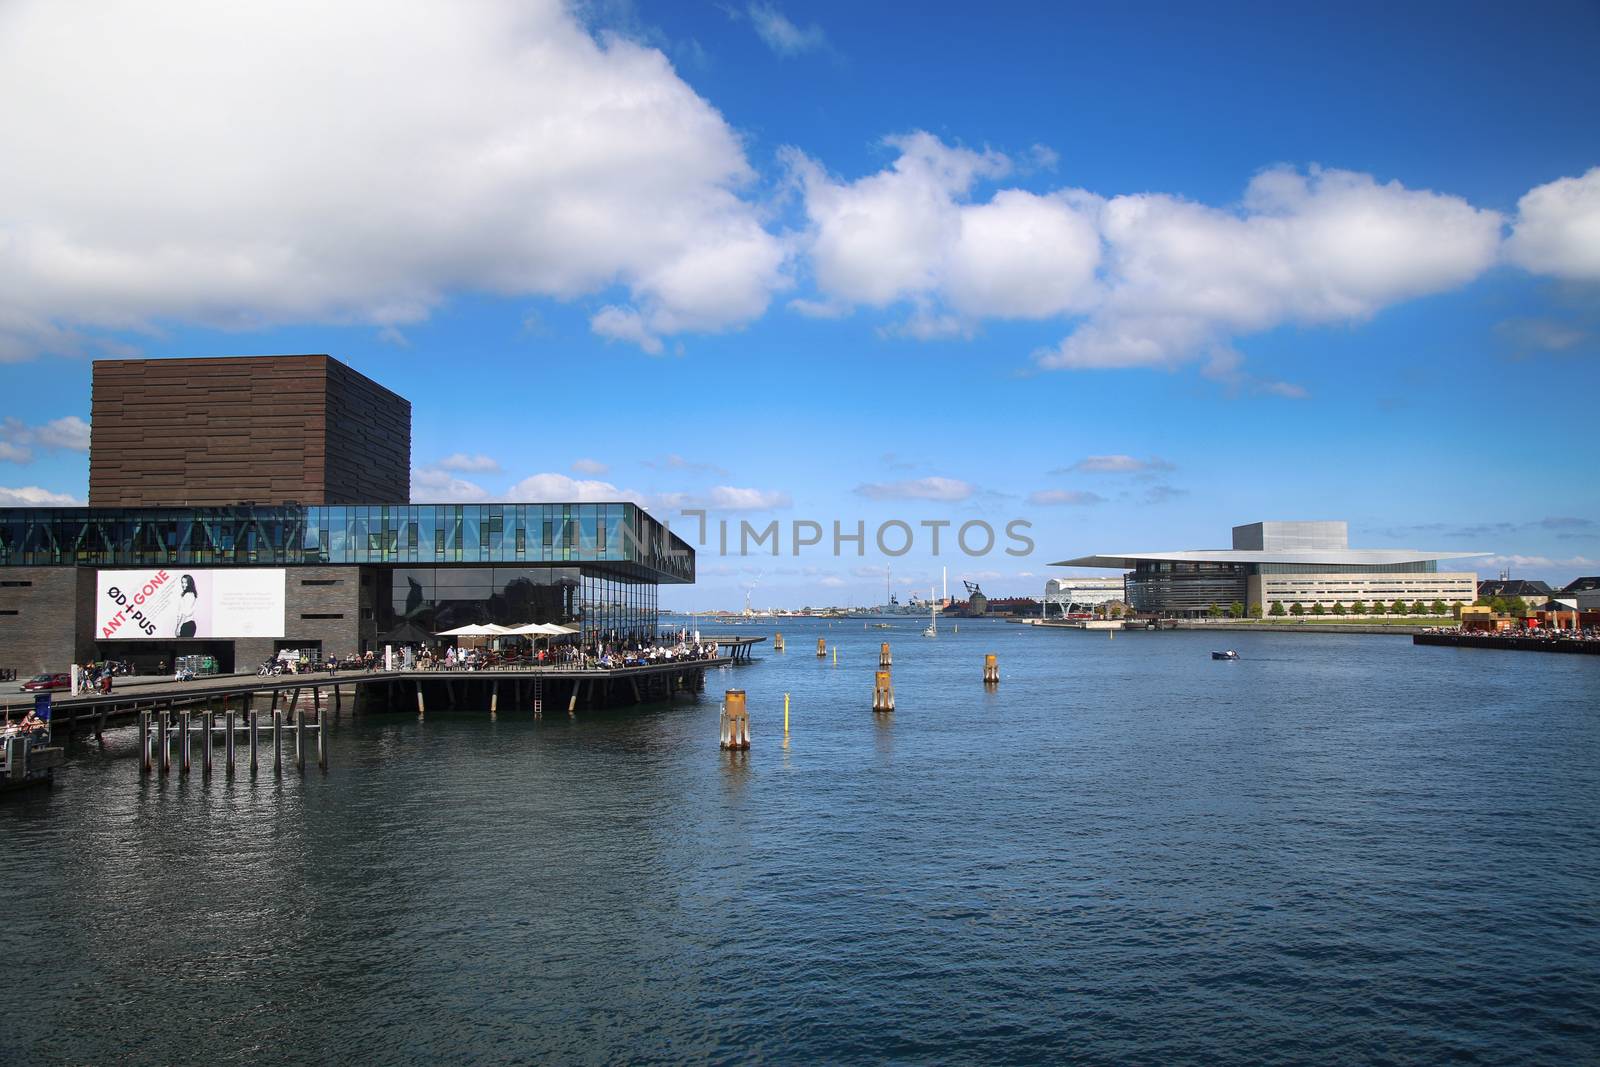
(1077, 595)
(292, 562)
(1306, 562)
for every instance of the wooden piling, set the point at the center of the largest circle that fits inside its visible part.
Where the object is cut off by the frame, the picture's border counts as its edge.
(166, 741)
(254, 721)
(882, 692)
(277, 740)
(822, 648)
(494, 699)
(100, 724)
(299, 739)
(144, 741)
(322, 743)
(885, 657)
(210, 735)
(777, 642)
(991, 669)
(228, 743)
(735, 721)
(422, 708)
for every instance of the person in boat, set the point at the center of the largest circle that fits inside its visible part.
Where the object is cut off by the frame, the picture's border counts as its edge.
(30, 722)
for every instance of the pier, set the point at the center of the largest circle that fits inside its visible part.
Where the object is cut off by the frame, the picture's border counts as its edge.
(531, 690)
(1576, 645)
(739, 648)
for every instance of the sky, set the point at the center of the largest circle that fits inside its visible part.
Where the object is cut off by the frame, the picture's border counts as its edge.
(1108, 277)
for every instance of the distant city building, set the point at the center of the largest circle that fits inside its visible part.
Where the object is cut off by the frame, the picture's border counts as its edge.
(1306, 562)
(1509, 588)
(1584, 593)
(1074, 595)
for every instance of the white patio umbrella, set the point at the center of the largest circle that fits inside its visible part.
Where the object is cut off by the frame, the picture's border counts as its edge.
(471, 630)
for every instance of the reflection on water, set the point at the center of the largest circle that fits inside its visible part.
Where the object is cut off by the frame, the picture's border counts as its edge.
(1336, 849)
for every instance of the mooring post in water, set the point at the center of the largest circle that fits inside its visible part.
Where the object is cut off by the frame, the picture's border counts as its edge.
(100, 724)
(277, 740)
(144, 741)
(786, 716)
(494, 699)
(822, 648)
(885, 657)
(882, 692)
(777, 642)
(166, 741)
(228, 743)
(322, 742)
(299, 739)
(209, 735)
(253, 721)
(991, 669)
(735, 721)
(422, 708)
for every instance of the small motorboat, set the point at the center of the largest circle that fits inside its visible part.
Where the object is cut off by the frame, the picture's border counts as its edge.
(1229, 654)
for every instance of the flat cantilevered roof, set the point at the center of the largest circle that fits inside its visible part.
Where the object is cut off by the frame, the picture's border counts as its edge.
(1345, 557)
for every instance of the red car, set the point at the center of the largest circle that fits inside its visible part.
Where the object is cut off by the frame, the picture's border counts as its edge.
(41, 682)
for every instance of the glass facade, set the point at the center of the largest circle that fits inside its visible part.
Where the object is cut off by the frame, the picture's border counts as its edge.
(619, 534)
(418, 602)
(1183, 587)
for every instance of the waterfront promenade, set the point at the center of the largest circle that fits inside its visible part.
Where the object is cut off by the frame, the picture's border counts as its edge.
(530, 689)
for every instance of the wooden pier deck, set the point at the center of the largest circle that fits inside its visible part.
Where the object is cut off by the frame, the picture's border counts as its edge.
(533, 691)
(739, 648)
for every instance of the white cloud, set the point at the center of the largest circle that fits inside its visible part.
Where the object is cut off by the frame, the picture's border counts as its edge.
(473, 464)
(68, 432)
(31, 496)
(491, 146)
(589, 466)
(15, 453)
(1116, 464)
(1314, 247)
(435, 485)
(625, 324)
(563, 489)
(930, 488)
(780, 34)
(1065, 497)
(907, 232)
(1557, 230)
(1495, 563)
(674, 462)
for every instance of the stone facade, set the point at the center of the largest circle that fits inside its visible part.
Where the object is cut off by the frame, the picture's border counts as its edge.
(39, 607)
(268, 429)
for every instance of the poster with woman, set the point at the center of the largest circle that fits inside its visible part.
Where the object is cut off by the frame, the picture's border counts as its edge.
(170, 603)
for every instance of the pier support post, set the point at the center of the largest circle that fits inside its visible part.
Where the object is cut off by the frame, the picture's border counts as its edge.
(277, 740)
(299, 739)
(166, 741)
(991, 669)
(228, 744)
(322, 743)
(100, 724)
(885, 657)
(210, 735)
(822, 648)
(883, 692)
(494, 700)
(144, 742)
(735, 721)
(253, 718)
(422, 708)
(777, 642)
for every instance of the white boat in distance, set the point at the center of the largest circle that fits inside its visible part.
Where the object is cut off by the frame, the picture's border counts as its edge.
(932, 629)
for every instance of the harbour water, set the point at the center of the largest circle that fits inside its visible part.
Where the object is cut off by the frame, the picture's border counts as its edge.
(1338, 849)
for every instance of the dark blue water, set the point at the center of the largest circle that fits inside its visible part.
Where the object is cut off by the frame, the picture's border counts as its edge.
(1336, 850)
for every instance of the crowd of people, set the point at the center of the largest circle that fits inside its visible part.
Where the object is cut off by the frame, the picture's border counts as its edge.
(613, 652)
(28, 724)
(1532, 633)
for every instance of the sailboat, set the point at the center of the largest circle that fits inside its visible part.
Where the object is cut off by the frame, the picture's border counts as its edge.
(933, 616)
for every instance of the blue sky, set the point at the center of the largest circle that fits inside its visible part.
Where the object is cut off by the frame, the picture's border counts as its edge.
(1131, 274)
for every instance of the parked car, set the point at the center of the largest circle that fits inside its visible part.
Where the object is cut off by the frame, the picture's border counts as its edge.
(40, 683)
